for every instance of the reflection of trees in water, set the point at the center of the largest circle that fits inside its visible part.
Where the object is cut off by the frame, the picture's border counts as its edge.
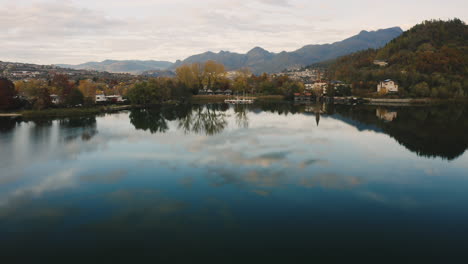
(78, 127)
(242, 119)
(41, 129)
(437, 131)
(428, 131)
(7, 124)
(209, 120)
(151, 119)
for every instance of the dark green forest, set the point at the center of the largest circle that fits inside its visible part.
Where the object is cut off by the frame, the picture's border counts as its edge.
(429, 60)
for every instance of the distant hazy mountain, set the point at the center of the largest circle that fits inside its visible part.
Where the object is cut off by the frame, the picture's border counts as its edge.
(126, 66)
(260, 60)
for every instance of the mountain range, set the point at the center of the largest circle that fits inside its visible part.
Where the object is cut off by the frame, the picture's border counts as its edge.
(258, 59)
(124, 66)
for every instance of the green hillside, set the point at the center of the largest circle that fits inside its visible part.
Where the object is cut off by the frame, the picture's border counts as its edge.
(429, 60)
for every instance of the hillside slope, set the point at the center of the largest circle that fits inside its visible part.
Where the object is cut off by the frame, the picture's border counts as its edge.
(260, 60)
(431, 59)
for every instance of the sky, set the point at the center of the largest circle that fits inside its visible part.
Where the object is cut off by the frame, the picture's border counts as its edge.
(78, 31)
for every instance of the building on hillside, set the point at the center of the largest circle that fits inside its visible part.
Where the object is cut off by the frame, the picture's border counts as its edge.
(55, 99)
(387, 86)
(381, 63)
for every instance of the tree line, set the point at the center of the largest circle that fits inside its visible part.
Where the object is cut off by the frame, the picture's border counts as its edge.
(189, 80)
(193, 78)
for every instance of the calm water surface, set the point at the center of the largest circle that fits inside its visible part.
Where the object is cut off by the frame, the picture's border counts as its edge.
(273, 183)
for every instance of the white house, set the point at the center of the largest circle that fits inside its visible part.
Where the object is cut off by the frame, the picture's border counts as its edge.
(387, 86)
(100, 98)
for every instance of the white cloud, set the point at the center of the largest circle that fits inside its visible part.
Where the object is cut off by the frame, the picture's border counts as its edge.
(72, 31)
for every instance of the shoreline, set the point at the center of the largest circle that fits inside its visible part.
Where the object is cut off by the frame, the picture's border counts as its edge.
(68, 112)
(94, 110)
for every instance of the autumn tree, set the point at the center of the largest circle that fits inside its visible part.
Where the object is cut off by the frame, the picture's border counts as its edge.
(197, 70)
(88, 89)
(36, 91)
(43, 99)
(241, 80)
(187, 76)
(7, 94)
(122, 88)
(69, 94)
(212, 71)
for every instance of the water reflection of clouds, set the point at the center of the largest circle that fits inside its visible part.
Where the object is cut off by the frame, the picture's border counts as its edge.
(66, 179)
(331, 181)
(33, 189)
(261, 158)
(111, 177)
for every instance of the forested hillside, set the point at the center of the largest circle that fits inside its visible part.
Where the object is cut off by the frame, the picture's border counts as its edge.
(429, 60)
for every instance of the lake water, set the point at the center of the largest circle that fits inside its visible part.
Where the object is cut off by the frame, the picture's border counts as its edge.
(271, 183)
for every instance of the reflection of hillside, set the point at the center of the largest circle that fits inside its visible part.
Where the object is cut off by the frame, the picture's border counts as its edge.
(429, 131)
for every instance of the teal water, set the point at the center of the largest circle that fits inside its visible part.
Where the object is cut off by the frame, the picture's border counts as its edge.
(270, 183)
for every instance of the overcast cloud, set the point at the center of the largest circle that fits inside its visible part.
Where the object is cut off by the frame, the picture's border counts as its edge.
(77, 31)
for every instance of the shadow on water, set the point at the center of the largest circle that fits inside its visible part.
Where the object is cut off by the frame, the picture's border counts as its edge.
(436, 131)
